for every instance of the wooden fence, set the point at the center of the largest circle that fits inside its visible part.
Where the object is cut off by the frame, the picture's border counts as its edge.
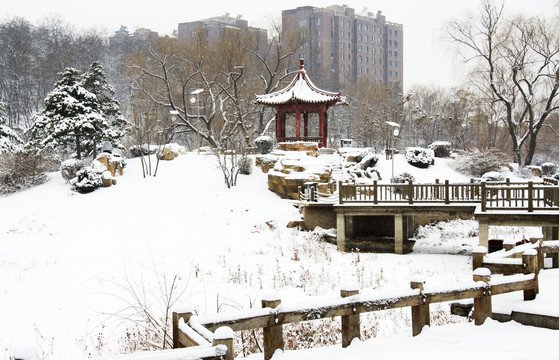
(492, 196)
(191, 330)
(512, 261)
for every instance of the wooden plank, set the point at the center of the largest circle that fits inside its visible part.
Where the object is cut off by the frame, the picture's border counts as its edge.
(514, 286)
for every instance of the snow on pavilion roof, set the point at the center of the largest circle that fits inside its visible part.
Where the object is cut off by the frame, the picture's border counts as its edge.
(301, 90)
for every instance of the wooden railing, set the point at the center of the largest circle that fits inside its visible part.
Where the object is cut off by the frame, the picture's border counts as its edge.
(492, 196)
(511, 261)
(191, 330)
(316, 139)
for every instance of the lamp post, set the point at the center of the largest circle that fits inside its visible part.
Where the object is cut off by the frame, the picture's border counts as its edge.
(197, 100)
(395, 133)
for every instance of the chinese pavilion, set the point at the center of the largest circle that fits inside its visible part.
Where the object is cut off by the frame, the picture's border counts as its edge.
(301, 98)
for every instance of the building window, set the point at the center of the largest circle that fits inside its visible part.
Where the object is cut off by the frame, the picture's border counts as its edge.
(342, 45)
(343, 67)
(374, 71)
(373, 39)
(380, 71)
(349, 46)
(373, 29)
(395, 54)
(360, 37)
(360, 58)
(396, 73)
(366, 27)
(380, 51)
(374, 61)
(390, 31)
(360, 70)
(318, 56)
(389, 52)
(341, 34)
(302, 55)
(389, 42)
(332, 67)
(348, 35)
(396, 32)
(390, 63)
(395, 43)
(367, 59)
(367, 49)
(367, 70)
(359, 48)
(366, 38)
(317, 32)
(396, 63)
(317, 22)
(380, 61)
(342, 55)
(341, 23)
(332, 56)
(379, 40)
(349, 68)
(359, 26)
(302, 23)
(318, 44)
(348, 56)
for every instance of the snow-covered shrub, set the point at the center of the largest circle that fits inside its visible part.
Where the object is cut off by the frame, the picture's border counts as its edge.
(368, 161)
(441, 149)
(138, 150)
(245, 165)
(420, 157)
(88, 179)
(555, 176)
(493, 176)
(549, 168)
(364, 153)
(264, 144)
(23, 169)
(69, 168)
(476, 162)
(404, 178)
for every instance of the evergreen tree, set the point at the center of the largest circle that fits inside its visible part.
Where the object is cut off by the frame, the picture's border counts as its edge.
(95, 81)
(79, 113)
(9, 139)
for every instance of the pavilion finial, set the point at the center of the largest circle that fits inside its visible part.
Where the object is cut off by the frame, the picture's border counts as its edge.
(301, 64)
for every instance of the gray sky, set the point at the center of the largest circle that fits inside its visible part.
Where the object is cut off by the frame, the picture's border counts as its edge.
(428, 59)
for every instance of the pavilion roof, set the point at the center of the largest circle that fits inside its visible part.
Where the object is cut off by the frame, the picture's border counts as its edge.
(301, 90)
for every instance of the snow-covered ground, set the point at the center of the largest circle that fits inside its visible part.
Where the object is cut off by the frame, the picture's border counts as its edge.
(78, 271)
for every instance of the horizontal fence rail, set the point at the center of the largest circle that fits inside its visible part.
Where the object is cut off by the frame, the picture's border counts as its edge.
(492, 196)
(191, 330)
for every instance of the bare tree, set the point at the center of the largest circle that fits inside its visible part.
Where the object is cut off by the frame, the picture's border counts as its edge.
(517, 65)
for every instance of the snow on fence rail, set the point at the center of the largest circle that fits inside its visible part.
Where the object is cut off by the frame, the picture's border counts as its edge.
(190, 330)
(492, 196)
(513, 261)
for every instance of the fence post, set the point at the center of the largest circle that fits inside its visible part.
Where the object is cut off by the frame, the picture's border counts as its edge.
(436, 192)
(375, 191)
(483, 197)
(446, 192)
(478, 254)
(420, 314)
(341, 197)
(224, 336)
(185, 315)
(530, 261)
(351, 325)
(508, 190)
(530, 196)
(273, 335)
(410, 192)
(482, 305)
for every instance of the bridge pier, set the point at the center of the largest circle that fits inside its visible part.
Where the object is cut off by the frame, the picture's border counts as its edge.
(484, 233)
(399, 234)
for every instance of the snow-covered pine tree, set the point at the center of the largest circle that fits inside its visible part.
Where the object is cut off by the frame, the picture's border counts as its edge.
(95, 81)
(9, 139)
(70, 117)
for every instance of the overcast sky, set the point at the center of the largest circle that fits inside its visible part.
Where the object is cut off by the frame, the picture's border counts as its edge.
(428, 59)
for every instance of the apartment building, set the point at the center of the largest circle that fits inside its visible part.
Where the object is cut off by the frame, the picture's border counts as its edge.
(122, 40)
(343, 47)
(213, 29)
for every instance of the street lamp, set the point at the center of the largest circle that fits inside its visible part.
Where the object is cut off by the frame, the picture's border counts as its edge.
(196, 100)
(395, 133)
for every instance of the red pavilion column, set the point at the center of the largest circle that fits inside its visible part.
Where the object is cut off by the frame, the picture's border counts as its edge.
(297, 122)
(322, 127)
(306, 124)
(278, 124)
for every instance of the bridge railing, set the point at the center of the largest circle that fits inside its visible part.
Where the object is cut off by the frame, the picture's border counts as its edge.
(495, 195)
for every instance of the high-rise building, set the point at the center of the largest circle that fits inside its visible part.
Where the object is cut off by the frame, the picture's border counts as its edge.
(213, 29)
(343, 47)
